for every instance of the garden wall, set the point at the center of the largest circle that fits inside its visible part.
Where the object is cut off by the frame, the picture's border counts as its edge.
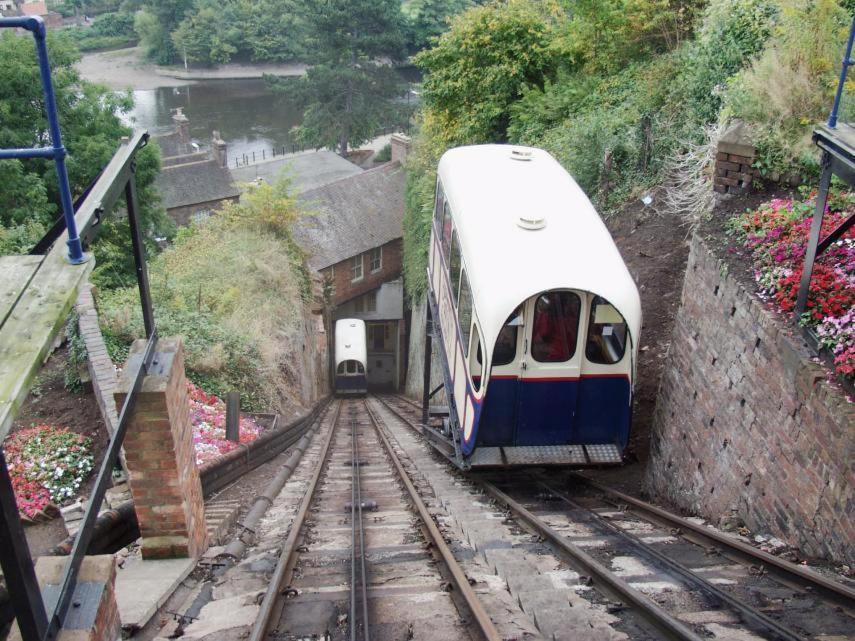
(747, 424)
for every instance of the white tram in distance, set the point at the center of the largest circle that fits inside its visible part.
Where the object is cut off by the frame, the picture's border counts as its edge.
(351, 357)
(535, 312)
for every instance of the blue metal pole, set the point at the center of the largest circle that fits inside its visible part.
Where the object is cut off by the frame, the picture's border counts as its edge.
(36, 26)
(847, 62)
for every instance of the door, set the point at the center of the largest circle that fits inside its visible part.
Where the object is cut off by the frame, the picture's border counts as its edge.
(549, 370)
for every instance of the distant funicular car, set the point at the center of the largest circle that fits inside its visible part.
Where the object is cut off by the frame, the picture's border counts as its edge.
(350, 357)
(536, 316)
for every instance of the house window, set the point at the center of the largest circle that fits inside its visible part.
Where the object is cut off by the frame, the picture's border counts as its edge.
(356, 267)
(366, 303)
(376, 259)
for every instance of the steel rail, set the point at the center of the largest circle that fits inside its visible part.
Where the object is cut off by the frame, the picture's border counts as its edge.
(655, 615)
(287, 558)
(831, 590)
(757, 620)
(461, 582)
(357, 531)
(786, 571)
(663, 621)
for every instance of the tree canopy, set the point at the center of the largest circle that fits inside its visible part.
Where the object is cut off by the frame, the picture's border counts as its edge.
(350, 89)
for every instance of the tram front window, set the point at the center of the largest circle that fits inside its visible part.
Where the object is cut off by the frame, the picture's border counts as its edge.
(556, 321)
(606, 341)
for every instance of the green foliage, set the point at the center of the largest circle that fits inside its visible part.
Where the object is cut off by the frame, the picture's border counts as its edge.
(217, 32)
(230, 286)
(115, 29)
(347, 94)
(428, 19)
(603, 35)
(385, 154)
(481, 66)
(155, 24)
(92, 130)
(790, 87)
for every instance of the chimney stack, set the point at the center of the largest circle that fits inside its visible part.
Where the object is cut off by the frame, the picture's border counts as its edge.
(218, 145)
(400, 147)
(182, 125)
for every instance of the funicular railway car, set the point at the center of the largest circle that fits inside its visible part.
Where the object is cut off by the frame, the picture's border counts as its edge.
(536, 315)
(351, 357)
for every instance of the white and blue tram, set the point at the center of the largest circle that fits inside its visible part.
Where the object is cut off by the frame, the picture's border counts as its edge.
(535, 312)
(351, 357)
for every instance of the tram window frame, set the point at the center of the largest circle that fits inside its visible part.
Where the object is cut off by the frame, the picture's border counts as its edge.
(447, 230)
(438, 209)
(571, 345)
(464, 311)
(594, 349)
(455, 267)
(496, 362)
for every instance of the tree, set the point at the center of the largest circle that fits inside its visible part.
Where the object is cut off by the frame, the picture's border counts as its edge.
(428, 19)
(216, 32)
(481, 66)
(155, 23)
(91, 129)
(349, 91)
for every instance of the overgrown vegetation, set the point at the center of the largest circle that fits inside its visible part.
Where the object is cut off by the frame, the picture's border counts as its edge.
(624, 93)
(228, 286)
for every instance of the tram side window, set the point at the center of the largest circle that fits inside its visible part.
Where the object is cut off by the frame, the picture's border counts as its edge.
(446, 230)
(506, 343)
(341, 368)
(556, 322)
(464, 312)
(454, 266)
(438, 207)
(606, 341)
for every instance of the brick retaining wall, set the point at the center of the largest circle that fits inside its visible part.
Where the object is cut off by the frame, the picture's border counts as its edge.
(747, 423)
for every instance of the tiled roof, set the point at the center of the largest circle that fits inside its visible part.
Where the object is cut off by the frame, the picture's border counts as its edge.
(194, 183)
(352, 215)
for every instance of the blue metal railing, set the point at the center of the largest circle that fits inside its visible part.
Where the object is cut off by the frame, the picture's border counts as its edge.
(56, 151)
(844, 70)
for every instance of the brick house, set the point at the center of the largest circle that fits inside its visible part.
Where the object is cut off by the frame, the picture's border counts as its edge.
(352, 234)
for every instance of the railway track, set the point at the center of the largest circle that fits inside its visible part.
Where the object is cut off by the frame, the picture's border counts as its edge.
(363, 558)
(685, 581)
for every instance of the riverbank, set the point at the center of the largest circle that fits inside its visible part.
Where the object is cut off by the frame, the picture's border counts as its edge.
(124, 69)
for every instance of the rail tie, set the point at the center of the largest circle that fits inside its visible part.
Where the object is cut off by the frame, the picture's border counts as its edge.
(461, 582)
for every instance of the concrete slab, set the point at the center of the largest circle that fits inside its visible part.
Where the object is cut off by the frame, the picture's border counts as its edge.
(143, 586)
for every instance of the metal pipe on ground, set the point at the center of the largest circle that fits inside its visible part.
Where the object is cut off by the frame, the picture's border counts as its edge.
(237, 548)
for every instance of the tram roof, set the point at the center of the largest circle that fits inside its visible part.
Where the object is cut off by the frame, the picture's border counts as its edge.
(490, 189)
(350, 341)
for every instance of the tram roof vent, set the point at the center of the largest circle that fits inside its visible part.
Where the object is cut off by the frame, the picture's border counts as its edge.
(532, 223)
(521, 154)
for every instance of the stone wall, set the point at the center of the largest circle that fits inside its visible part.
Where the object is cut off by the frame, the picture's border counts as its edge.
(747, 424)
(415, 369)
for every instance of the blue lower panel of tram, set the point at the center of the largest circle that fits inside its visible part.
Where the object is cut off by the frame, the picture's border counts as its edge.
(351, 384)
(593, 410)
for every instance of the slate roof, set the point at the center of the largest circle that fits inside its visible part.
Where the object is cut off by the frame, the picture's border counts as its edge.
(194, 183)
(352, 215)
(171, 145)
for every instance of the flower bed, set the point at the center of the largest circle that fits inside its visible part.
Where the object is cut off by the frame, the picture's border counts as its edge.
(208, 414)
(47, 466)
(776, 234)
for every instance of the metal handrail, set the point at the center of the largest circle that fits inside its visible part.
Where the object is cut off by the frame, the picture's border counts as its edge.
(56, 151)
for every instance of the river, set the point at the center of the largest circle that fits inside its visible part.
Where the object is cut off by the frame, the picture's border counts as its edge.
(248, 116)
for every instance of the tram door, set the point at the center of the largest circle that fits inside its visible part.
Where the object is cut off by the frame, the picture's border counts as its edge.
(549, 370)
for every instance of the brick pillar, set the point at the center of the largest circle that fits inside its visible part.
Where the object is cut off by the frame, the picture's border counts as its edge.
(161, 458)
(735, 155)
(96, 617)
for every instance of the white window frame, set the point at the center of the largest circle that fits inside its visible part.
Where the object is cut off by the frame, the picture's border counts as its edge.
(371, 257)
(357, 260)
